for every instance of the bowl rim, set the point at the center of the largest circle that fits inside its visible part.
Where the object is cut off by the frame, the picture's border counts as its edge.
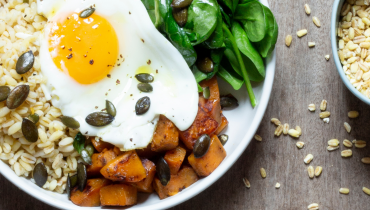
(334, 45)
(270, 64)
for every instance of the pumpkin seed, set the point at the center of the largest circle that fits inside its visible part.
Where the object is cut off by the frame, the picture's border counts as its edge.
(110, 108)
(180, 16)
(34, 117)
(25, 62)
(29, 130)
(144, 78)
(70, 122)
(223, 138)
(90, 149)
(40, 174)
(163, 171)
(206, 93)
(178, 4)
(71, 183)
(201, 146)
(142, 105)
(81, 176)
(86, 157)
(17, 96)
(99, 119)
(145, 87)
(87, 12)
(228, 101)
(4, 93)
(205, 65)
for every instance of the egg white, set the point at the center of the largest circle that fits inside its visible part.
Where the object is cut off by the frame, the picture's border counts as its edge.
(174, 93)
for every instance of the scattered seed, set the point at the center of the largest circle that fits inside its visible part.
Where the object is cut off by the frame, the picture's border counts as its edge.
(316, 21)
(223, 138)
(247, 183)
(313, 206)
(308, 158)
(365, 160)
(163, 171)
(326, 120)
(333, 142)
(205, 65)
(142, 105)
(29, 130)
(327, 57)
(99, 119)
(179, 4)
(288, 40)
(87, 12)
(311, 172)
(275, 121)
(279, 130)
(17, 96)
(206, 92)
(146, 88)
(366, 190)
(228, 101)
(111, 109)
(4, 93)
(263, 172)
(285, 128)
(277, 185)
(300, 144)
(318, 171)
(81, 176)
(311, 107)
(201, 146)
(301, 33)
(347, 143)
(258, 137)
(70, 122)
(344, 191)
(297, 128)
(353, 114)
(360, 144)
(311, 44)
(34, 117)
(347, 127)
(40, 174)
(330, 148)
(323, 105)
(307, 9)
(25, 62)
(293, 133)
(346, 153)
(324, 114)
(144, 78)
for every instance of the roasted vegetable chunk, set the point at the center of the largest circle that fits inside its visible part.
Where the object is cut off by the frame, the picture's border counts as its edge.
(174, 159)
(145, 185)
(118, 195)
(211, 105)
(205, 165)
(126, 167)
(166, 135)
(99, 160)
(182, 180)
(101, 145)
(146, 152)
(203, 124)
(90, 195)
(223, 125)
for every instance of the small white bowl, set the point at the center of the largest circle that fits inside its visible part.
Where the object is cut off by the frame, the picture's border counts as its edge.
(243, 123)
(337, 7)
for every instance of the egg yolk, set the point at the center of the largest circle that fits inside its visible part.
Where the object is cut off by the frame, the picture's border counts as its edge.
(84, 48)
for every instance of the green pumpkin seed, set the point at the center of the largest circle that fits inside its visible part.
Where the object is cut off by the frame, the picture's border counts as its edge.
(70, 122)
(86, 157)
(205, 65)
(223, 138)
(71, 183)
(99, 119)
(110, 108)
(144, 78)
(142, 105)
(4, 93)
(163, 171)
(201, 146)
(81, 176)
(145, 87)
(87, 12)
(40, 174)
(180, 16)
(178, 4)
(228, 101)
(90, 149)
(206, 93)
(25, 62)
(17, 96)
(34, 118)
(29, 130)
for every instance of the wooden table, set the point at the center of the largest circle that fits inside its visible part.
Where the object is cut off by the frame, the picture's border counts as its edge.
(303, 76)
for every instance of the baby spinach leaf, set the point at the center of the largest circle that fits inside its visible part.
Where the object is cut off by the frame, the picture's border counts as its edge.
(152, 7)
(79, 142)
(253, 18)
(253, 58)
(233, 80)
(267, 44)
(216, 40)
(226, 18)
(216, 57)
(233, 61)
(245, 1)
(202, 18)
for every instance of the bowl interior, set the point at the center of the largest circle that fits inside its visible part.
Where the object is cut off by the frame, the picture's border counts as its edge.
(243, 123)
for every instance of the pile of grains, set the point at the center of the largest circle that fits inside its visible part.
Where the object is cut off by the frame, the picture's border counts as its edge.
(354, 44)
(54, 146)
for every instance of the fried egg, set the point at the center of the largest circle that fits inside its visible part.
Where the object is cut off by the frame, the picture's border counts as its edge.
(90, 60)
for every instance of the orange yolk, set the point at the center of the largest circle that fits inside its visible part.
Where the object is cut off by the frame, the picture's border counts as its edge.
(84, 48)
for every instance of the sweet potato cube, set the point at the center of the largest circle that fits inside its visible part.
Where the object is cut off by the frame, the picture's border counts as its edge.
(146, 152)
(211, 105)
(203, 124)
(182, 180)
(223, 125)
(99, 160)
(145, 185)
(118, 195)
(205, 165)
(90, 195)
(101, 145)
(174, 159)
(166, 135)
(126, 167)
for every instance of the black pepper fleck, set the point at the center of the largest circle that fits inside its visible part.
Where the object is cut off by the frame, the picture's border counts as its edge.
(91, 62)
(118, 82)
(96, 107)
(70, 49)
(142, 40)
(70, 56)
(149, 62)
(156, 71)
(108, 75)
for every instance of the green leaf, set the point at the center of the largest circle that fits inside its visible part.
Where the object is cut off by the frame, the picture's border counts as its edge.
(152, 6)
(267, 44)
(79, 142)
(216, 40)
(253, 18)
(233, 80)
(202, 18)
(216, 57)
(253, 60)
(199, 76)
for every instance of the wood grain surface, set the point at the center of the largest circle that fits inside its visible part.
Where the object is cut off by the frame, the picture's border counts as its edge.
(303, 76)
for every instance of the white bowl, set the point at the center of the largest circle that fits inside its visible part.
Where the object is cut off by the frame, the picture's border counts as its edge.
(243, 123)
